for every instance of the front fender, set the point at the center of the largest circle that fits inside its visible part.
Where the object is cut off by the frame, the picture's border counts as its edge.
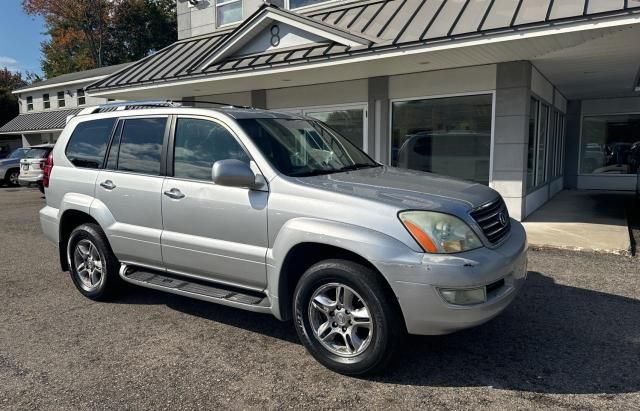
(376, 247)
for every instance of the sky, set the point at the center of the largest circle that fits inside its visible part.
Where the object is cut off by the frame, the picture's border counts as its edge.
(20, 38)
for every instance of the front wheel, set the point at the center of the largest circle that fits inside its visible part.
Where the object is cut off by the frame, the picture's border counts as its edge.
(346, 318)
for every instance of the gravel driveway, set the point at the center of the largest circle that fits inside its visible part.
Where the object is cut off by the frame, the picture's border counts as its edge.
(571, 339)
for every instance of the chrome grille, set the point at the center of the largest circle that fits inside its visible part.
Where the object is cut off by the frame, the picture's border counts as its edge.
(488, 217)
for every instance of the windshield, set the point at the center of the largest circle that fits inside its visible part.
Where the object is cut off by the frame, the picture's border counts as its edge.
(19, 153)
(37, 153)
(302, 148)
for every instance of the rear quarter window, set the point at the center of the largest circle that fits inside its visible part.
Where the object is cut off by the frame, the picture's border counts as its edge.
(88, 143)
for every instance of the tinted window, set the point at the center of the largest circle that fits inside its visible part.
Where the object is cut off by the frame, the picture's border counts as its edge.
(38, 153)
(141, 145)
(88, 143)
(199, 144)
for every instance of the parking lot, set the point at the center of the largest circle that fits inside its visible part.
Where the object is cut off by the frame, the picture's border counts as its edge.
(571, 339)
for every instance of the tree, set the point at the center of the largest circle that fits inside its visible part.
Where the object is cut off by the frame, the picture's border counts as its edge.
(140, 27)
(95, 33)
(9, 81)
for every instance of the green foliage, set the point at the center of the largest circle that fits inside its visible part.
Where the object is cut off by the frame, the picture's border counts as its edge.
(9, 81)
(95, 33)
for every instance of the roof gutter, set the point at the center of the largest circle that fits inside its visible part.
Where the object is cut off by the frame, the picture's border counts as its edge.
(54, 85)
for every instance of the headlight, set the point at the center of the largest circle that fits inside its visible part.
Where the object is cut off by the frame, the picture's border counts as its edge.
(439, 233)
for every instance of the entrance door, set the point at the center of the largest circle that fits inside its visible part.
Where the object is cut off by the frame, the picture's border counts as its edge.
(212, 231)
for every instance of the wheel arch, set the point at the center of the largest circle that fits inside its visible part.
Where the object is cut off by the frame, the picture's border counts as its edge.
(70, 219)
(304, 242)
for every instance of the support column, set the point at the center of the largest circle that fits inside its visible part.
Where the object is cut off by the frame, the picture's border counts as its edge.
(511, 134)
(259, 99)
(378, 119)
(572, 144)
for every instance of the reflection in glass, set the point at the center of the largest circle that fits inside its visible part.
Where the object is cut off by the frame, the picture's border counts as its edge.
(610, 144)
(449, 136)
(199, 144)
(88, 143)
(228, 11)
(141, 145)
(349, 123)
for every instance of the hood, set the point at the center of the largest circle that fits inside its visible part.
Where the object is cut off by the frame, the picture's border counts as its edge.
(404, 188)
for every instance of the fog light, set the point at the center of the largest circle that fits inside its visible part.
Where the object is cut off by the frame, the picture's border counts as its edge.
(464, 297)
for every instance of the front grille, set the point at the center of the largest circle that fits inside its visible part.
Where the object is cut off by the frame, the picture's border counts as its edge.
(493, 219)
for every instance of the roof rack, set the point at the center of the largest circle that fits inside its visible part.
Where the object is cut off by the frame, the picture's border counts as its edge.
(128, 105)
(217, 103)
(142, 104)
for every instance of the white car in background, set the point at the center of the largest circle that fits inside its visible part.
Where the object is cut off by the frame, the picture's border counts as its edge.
(32, 165)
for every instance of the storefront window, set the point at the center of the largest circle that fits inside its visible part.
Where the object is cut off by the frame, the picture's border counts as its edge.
(610, 144)
(449, 136)
(349, 123)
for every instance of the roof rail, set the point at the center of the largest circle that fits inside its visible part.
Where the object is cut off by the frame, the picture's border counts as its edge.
(141, 104)
(128, 105)
(217, 103)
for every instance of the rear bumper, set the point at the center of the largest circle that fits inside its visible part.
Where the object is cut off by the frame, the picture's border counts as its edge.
(30, 179)
(417, 286)
(49, 223)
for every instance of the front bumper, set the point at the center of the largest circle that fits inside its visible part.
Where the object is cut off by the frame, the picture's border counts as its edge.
(425, 310)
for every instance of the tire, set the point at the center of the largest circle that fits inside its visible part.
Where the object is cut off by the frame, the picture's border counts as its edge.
(89, 249)
(350, 347)
(41, 187)
(11, 178)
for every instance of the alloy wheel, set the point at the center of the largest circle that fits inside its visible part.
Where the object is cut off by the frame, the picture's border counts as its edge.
(13, 178)
(88, 264)
(340, 319)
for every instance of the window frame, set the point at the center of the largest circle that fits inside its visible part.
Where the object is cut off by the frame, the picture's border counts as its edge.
(46, 101)
(387, 157)
(116, 137)
(81, 95)
(29, 100)
(225, 3)
(171, 148)
(61, 101)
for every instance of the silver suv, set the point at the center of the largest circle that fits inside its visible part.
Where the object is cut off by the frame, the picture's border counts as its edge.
(276, 213)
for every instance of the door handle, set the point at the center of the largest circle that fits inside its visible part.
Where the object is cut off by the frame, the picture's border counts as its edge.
(107, 185)
(174, 193)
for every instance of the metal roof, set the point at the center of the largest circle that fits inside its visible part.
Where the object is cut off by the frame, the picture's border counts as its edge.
(47, 120)
(388, 23)
(74, 77)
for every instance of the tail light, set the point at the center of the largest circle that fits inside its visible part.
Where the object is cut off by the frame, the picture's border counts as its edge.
(48, 166)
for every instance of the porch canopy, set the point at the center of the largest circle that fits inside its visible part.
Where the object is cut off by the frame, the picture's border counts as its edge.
(44, 122)
(277, 48)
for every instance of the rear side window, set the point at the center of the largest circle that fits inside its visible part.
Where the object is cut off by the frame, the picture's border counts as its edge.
(88, 143)
(141, 145)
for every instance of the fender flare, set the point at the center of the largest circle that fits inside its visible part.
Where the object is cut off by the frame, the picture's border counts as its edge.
(371, 245)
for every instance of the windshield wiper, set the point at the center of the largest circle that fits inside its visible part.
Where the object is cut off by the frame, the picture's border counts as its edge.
(358, 166)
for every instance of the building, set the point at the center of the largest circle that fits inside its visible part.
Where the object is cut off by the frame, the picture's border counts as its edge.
(45, 106)
(527, 96)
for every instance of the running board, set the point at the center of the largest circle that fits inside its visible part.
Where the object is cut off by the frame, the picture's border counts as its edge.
(187, 287)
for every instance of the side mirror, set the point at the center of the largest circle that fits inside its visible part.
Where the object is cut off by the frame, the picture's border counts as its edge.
(234, 173)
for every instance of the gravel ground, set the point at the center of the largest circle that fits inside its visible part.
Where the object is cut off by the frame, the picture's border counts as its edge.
(570, 340)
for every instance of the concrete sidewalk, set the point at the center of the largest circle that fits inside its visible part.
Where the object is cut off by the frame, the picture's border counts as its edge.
(582, 220)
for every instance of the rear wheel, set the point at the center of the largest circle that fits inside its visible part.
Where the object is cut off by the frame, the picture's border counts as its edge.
(92, 265)
(346, 318)
(11, 179)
